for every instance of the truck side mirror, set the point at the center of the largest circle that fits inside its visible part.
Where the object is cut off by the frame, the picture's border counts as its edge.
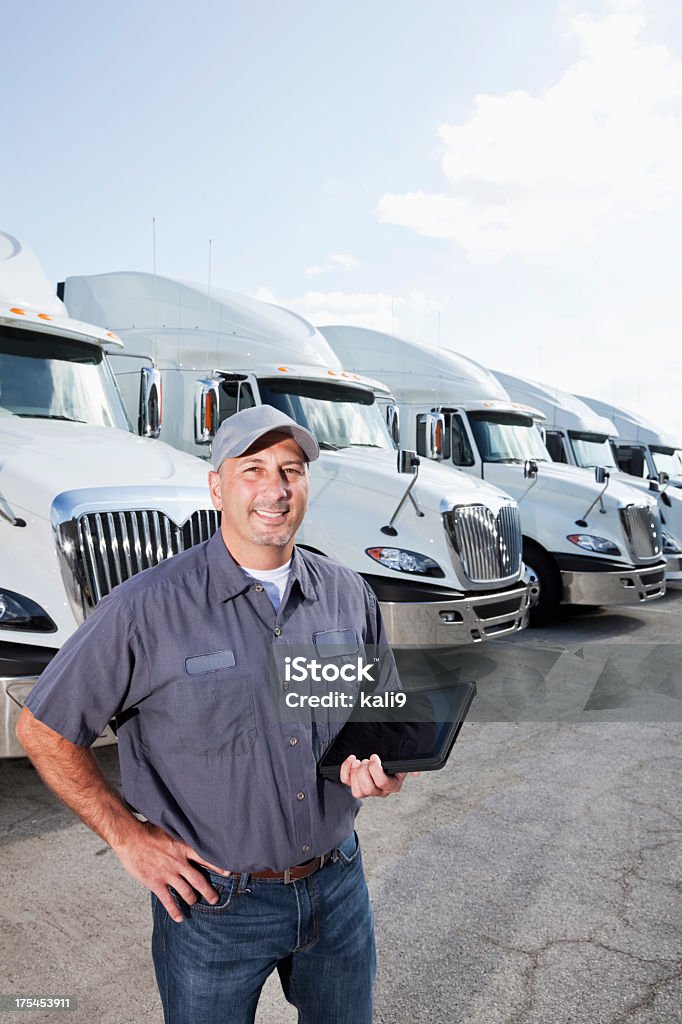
(601, 474)
(149, 416)
(430, 431)
(393, 421)
(663, 478)
(530, 469)
(206, 402)
(407, 461)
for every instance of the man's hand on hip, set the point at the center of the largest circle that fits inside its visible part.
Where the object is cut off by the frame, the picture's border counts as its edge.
(157, 860)
(368, 778)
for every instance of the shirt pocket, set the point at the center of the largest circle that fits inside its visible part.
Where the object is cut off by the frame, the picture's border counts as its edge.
(215, 713)
(336, 643)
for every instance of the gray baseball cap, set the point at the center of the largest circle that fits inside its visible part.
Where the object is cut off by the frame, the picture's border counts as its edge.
(237, 433)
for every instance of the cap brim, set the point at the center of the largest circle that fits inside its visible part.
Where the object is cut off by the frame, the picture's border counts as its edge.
(303, 439)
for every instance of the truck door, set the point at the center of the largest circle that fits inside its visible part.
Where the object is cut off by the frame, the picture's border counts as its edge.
(556, 446)
(631, 459)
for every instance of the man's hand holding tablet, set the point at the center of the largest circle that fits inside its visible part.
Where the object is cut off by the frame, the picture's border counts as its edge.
(368, 778)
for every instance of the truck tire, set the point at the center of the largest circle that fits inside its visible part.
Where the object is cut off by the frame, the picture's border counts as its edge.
(546, 585)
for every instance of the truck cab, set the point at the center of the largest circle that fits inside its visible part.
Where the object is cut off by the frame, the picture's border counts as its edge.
(585, 541)
(441, 552)
(578, 436)
(640, 448)
(84, 502)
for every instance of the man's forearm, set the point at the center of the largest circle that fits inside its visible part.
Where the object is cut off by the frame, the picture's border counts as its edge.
(72, 773)
(147, 852)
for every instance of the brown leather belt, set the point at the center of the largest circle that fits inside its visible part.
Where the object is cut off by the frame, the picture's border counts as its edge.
(292, 874)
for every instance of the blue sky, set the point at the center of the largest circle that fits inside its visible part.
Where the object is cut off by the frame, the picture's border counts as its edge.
(508, 173)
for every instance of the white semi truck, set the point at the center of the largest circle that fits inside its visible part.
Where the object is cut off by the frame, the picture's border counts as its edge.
(442, 553)
(640, 448)
(586, 541)
(578, 436)
(84, 502)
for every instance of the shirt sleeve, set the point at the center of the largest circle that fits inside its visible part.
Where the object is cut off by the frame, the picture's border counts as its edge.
(100, 671)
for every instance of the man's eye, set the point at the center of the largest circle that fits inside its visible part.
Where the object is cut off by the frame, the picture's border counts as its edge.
(294, 471)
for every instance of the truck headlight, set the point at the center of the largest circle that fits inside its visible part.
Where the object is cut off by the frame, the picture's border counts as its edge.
(19, 612)
(602, 545)
(671, 545)
(406, 561)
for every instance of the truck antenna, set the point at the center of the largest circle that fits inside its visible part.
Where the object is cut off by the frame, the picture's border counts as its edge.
(438, 351)
(154, 245)
(209, 265)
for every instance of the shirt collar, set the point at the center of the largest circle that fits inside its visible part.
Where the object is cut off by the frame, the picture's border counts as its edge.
(228, 579)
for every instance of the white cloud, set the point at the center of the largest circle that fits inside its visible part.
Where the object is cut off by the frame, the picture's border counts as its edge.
(621, 358)
(414, 313)
(542, 174)
(336, 260)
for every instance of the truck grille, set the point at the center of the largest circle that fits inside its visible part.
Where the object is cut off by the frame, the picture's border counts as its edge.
(643, 531)
(487, 546)
(106, 548)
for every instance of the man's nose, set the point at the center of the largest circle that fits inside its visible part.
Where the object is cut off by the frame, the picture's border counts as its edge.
(277, 482)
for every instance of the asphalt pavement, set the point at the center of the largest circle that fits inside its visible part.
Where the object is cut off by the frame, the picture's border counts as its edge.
(536, 879)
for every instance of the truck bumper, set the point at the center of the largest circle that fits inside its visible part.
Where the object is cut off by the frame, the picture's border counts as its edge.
(625, 586)
(466, 620)
(13, 692)
(673, 571)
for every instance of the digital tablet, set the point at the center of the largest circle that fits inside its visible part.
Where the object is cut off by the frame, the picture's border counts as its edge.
(417, 737)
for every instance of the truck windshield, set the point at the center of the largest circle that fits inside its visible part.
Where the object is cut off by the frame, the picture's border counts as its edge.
(592, 450)
(507, 437)
(667, 460)
(45, 377)
(338, 415)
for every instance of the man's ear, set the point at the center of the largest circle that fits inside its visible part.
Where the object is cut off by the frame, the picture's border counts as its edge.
(214, 486)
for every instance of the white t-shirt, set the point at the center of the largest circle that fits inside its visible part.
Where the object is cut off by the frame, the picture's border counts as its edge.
(274, 580)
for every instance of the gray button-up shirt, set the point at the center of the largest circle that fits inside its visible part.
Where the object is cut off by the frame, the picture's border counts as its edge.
(188, 658)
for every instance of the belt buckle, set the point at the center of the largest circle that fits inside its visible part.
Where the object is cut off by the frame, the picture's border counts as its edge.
(321, 861)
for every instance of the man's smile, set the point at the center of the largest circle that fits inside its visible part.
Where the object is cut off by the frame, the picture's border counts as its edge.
(272, 515)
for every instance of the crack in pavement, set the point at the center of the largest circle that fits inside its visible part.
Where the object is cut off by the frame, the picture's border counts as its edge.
(536, 955)
(647, 1000)
(625, 877)
(649, 806)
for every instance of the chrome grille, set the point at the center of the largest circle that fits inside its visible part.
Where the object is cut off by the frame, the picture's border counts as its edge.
(106, 548)
(643, 530)
(487, 546)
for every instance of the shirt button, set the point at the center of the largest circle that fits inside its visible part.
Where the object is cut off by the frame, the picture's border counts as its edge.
(259, 587)
(300, 796)
(293, 741)
(306, 848)
(278, 631)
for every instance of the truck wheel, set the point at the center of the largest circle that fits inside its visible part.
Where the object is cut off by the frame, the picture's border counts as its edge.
(545, 593)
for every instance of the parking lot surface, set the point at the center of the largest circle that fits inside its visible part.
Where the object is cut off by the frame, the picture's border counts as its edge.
(534, 880)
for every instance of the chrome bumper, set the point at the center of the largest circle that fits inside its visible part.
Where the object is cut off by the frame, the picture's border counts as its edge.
(13, 692)
(625, 586)
(673, 571)
(466, 620)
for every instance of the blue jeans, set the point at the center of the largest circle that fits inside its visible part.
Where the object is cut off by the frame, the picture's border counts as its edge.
(317, 932)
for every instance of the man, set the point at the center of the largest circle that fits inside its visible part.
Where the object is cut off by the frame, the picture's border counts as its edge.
(250, 856)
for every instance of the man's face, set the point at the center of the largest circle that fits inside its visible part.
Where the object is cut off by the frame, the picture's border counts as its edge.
(263, 496)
